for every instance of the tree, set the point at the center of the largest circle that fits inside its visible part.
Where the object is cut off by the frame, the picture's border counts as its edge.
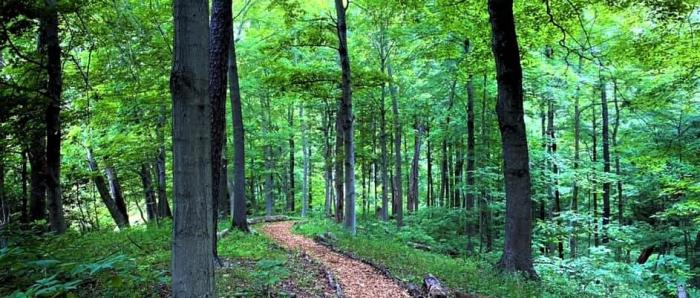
(192, 254)
(239, 202)
(347, 117)
(517, 251)
(220, 30)
(53, 118)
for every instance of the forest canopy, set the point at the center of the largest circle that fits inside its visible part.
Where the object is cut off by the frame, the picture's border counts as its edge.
(492, 148)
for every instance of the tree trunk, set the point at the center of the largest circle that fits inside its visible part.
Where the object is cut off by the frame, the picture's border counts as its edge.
(385, 152)
(398, 192)
(555, 168)
(53, 120)
(37, 162)
(575, 188)
(430, 197)
(290, 193)
(115, 189)
(307, 156)
(239, 201)
(618, 173)
(346, 99)
(328, 160)
(606, 161)
(192, 267)
(413, 187)
(471, 161)
(120, 219)
(594, 141)
(339, 166)
(149, 193)
(25, 194)
(220, 29)
(163, 205)
(695, 264)
(517, 253)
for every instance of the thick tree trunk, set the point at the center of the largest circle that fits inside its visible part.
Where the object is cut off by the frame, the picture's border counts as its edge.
(517, 252)
(347, 122)
(149, 193)
(606, 161)
(37, 162)
(413, 181)
(120, 219)
(220, 29)
(192, 266)
(238, 194)
(53, 120)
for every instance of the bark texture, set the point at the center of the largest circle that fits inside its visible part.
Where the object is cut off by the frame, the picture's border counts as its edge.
(192, 266)
(238, 193)
(53, 120)
(517, 252)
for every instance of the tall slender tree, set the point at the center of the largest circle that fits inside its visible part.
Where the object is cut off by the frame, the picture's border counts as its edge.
(53, 118)
(239, 202)
(346, 102)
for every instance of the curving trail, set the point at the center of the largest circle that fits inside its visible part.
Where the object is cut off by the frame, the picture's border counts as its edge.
(357, 279)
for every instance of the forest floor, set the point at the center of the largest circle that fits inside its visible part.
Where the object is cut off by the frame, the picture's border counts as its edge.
(356, 278)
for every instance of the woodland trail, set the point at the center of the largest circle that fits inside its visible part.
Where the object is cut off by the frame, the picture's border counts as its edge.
(357, 279)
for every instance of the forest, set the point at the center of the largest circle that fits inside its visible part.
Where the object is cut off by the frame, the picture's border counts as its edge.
(350, 148)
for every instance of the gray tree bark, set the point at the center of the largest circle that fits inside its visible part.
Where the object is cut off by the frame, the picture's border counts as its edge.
(238, 194)
(413, 181)
(398, 190)
(192, 256)
(347, 120)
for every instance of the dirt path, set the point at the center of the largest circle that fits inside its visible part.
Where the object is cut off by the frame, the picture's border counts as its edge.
(356, 278)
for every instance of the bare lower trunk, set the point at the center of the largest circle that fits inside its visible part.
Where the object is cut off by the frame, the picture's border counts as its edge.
(606, 161)
(192, 248)
(239, 201)
(398, 192)
(37, 162)
(517, 252)
(307, 156)
(347, 120)
(471, 160)
(120, 219)
(163, 204)
(115, 189)
(413, 188)
(53, 120)
(149, 193)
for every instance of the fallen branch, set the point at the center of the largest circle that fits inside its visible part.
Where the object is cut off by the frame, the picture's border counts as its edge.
(421, 246)
(335, 285)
